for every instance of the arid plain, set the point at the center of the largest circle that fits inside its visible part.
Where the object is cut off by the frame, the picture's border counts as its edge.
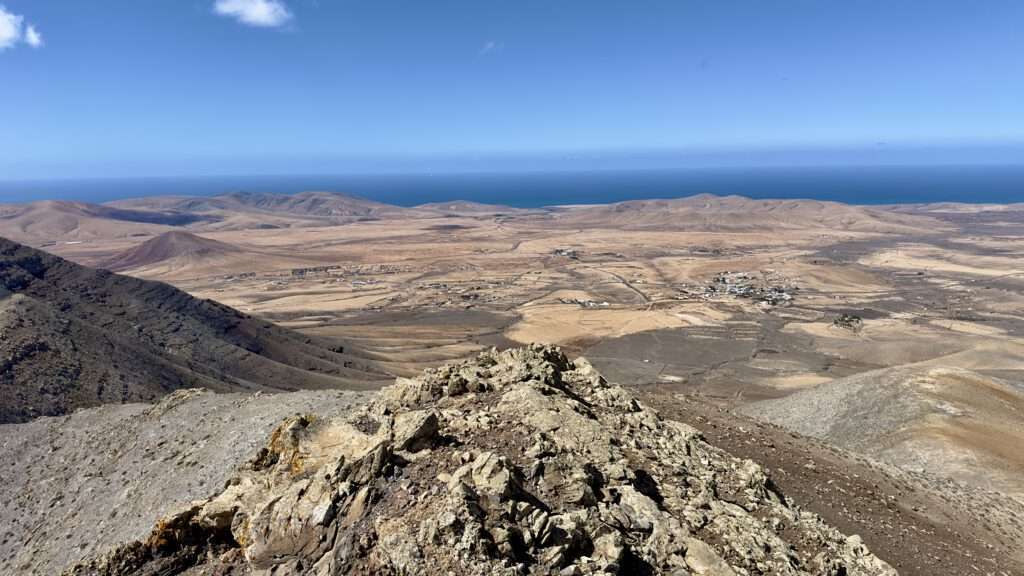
(894, 333)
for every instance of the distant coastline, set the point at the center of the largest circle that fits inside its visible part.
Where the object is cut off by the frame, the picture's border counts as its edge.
(849, 184)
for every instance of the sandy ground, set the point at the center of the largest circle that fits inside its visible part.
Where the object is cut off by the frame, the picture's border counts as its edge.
(921, 297)
(931, 259)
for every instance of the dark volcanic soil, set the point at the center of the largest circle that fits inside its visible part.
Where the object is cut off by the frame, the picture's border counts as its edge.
(73, 337)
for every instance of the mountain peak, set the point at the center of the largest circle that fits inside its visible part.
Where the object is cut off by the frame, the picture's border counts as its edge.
(519, 458)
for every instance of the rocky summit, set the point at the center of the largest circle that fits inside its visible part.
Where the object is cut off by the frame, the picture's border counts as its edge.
(517, 462)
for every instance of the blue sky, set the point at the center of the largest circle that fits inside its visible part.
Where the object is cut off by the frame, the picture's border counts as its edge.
(182, 87)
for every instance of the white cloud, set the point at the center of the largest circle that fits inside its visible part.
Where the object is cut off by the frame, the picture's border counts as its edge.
(32, 37)
(12, 31)
(264, 13)
(10, 28)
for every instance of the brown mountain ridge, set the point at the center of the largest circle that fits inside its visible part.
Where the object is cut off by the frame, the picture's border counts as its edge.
(708, 212)
(72, 336)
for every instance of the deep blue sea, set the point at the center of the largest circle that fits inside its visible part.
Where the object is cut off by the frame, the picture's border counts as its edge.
(856, 185)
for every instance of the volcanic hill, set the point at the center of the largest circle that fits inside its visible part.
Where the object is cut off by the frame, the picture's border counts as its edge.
(249, 210)
(707, 212)
(72, 337)
(51, 221)
(174, 245)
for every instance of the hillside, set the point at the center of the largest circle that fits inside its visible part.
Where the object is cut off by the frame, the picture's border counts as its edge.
(983, 219)
(246, 210)
(711, 213)
(52, 221)
(179, 255)
(952, 422)
(72, 336)
(102, 476)
(331, 205)
(41, 223)
(922, 524)
(174, 245)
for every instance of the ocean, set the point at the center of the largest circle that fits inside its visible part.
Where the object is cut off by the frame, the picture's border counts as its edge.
(855, 185)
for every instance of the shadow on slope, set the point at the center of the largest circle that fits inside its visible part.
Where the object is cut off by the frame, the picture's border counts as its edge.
(72, 336)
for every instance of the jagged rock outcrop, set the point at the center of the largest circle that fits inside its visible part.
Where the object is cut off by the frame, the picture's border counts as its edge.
(518, 462)
(76, 486)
